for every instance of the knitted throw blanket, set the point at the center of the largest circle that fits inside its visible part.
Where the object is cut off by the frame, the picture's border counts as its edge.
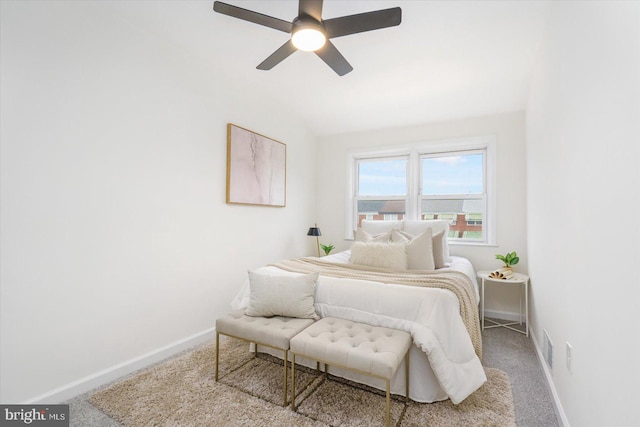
(454, 281)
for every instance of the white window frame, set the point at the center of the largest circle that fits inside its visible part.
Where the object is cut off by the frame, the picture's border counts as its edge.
(415, 152)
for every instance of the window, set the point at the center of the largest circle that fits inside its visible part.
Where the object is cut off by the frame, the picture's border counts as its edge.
(452, 187)
(381, 188)
(450, 180)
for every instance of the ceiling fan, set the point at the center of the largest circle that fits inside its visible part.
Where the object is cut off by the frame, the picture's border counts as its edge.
(310, 32)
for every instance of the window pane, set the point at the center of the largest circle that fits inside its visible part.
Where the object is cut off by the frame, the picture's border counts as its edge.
(386, 177)
(465, 216)
(380, 210)
(453, 174)
(472, 234)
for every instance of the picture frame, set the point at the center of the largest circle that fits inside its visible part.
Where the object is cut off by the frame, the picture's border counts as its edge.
(256, 168)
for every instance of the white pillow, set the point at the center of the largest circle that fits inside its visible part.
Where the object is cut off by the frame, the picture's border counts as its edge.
(278, 295)
(379, 226)
(419, 249)
(363, 236)
(436, 225)
(391, 256)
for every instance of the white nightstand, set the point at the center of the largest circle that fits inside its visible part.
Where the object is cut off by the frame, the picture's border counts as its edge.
(516, 279)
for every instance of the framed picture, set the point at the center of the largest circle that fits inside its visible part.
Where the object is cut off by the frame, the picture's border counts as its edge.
(256, 168)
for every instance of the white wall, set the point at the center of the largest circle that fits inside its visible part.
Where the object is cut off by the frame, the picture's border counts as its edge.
(583, 157)
(511, 210)
(116, 239)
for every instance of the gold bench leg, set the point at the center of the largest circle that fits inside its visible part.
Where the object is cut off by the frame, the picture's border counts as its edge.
(284, 390)
(388, 422)
(293, 381)
(217, 353)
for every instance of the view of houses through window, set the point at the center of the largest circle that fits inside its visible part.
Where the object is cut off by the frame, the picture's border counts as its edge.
(448, 186)
(465, 219)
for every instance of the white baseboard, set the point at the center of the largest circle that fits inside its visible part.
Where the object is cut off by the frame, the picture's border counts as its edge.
(560, 414)
(108, 375)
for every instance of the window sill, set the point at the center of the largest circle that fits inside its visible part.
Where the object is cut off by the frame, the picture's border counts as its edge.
(483, 244)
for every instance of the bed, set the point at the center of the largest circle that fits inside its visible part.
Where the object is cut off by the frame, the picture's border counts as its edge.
(446, 352)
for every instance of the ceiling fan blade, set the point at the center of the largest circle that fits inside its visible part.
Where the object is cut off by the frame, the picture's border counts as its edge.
(334, 59)
(313, 8)
(352, 24)
(251, 16)
(278, 56)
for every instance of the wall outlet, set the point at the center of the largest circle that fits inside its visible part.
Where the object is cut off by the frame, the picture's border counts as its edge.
(569, 356)
(548, 349)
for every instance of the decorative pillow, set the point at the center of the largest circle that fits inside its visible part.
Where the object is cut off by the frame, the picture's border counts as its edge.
(419, 249)
(439, 247)
(436, 225)
(438, 242)
(391, 256)
(363, 236)
(380, 226)
(278, 295)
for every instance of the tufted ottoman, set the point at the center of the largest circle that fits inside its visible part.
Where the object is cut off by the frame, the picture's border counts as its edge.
(274, 332)
(358, 347)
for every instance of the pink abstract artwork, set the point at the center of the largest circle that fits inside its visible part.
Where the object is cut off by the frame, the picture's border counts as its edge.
(256, 168)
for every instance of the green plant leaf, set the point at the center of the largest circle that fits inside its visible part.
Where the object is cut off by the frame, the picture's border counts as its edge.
(511, 258)
(327, 248)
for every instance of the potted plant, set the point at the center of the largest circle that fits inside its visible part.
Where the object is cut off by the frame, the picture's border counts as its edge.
(327, 248)
(510, 259)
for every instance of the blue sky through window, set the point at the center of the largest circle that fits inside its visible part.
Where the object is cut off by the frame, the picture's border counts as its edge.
(382, 178)
(452, 175)
(460, 174)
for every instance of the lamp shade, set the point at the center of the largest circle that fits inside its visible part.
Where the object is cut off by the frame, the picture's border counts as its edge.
(314, 231)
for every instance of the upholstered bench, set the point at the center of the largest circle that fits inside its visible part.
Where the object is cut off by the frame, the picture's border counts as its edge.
(275, 332)
(366, 349)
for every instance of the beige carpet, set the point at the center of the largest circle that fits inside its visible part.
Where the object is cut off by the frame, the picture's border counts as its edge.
(183, 392)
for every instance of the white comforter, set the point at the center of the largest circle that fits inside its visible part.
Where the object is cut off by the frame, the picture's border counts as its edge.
(443, 363)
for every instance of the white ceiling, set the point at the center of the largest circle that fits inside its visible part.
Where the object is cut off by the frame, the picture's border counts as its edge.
(446, 60)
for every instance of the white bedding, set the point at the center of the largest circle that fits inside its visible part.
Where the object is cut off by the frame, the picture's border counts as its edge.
(443, 363)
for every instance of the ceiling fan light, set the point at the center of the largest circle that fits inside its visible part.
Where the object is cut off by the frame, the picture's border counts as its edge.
(308, 39)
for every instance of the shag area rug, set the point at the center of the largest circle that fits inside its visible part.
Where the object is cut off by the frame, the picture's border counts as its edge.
(182, 392)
